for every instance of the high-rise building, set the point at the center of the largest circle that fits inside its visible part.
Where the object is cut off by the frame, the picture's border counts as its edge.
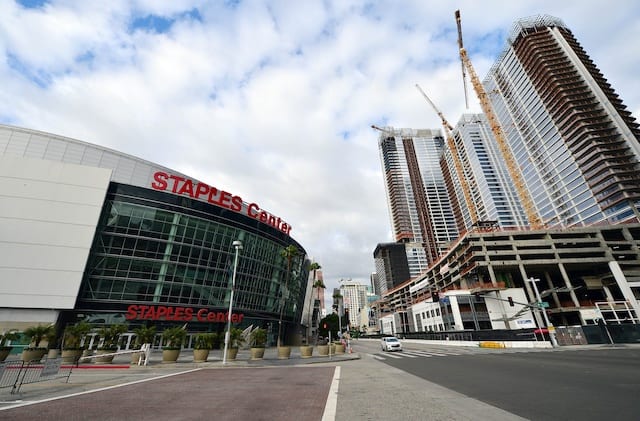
(490, 188)
(575, 142)
(354, 298)
(577, 148)
(419, 204)
(392, 267)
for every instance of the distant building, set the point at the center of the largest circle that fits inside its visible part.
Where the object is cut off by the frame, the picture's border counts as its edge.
(314, 304)
(392, 267)
(419, 205)
(354, 296)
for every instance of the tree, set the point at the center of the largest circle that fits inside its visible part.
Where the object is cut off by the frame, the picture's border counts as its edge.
(37, 334)
(288, 253)
(73, 335)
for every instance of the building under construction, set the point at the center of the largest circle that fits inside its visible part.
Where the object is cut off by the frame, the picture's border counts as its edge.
(584, 274)
(572, 152)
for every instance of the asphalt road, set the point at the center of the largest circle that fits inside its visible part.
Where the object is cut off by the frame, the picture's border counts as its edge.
(425, 382)
(588, 384)
(342, 388)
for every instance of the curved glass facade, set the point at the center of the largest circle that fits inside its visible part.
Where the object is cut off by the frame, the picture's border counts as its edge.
(155, 250)
(106, 237)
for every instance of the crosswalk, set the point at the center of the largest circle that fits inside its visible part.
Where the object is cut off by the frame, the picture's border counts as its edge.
(414, 353)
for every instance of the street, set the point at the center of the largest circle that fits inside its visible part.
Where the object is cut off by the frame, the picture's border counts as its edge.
(423, 382)
(589, 383)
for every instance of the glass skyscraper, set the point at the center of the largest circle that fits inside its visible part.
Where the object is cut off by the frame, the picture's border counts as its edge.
(421, 212)
(575, 142)
(491, 189)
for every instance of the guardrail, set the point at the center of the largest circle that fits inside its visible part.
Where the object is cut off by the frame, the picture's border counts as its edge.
(16, 373)
(144, 353)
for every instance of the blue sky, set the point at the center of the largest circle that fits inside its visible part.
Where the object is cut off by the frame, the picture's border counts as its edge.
(273, 100)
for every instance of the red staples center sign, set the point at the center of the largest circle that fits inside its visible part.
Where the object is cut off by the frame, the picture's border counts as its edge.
(201, 191)
(179, 314)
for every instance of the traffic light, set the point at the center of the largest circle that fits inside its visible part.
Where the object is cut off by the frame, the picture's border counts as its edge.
(435, 296)
(510, 301)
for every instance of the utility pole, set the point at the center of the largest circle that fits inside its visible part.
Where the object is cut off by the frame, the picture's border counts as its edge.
(550, 328)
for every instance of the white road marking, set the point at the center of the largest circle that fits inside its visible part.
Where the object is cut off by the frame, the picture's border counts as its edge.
(332, 400)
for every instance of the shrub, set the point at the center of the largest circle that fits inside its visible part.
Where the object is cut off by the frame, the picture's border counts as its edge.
(37, 334)
(258, 338)
(111, 335)
(173, 337)
(204, 340)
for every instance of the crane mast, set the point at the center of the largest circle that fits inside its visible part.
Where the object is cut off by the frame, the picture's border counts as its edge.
(498, 133)
(473, 212)
(464, 74)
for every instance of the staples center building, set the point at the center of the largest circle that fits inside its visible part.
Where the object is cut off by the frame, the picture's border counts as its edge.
(87, 233)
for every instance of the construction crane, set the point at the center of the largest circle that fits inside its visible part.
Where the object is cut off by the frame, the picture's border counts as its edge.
(451, 144)
(464, 74)
(498, 133)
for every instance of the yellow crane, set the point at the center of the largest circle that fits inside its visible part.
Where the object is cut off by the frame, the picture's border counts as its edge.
(451, 144)
(498, 133)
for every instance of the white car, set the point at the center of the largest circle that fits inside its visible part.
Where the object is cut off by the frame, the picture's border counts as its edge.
(391, 343)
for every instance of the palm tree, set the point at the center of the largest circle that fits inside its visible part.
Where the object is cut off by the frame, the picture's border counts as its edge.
(319, 284)
(287, 253)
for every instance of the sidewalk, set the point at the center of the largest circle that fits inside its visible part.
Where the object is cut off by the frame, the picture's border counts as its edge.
(185, 360)
(88, 376)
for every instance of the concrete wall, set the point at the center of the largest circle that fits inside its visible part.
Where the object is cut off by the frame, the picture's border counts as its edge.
(48, 216)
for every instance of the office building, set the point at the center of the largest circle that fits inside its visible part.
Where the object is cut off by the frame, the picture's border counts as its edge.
(491, 190)
(354, 296)
(419, 204)
(392, 267)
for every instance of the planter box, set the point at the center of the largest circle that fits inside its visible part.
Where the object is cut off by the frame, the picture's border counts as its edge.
(4, 352)
(323, 350)
(170, 355)
(33, 354)
(306, 351)
(200, 355)
(284, 352)
(71, 356)
(232, 353)
(257, 353)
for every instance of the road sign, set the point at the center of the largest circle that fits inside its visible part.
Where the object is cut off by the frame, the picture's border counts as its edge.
(543, 304)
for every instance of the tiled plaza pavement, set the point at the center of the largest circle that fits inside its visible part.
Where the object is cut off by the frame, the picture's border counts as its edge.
(261, 393)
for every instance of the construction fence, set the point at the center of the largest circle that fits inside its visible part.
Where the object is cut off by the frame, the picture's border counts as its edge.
(15, 373)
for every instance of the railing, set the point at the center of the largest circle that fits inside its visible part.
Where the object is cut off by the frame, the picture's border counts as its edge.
(144, 354)
(16, 373)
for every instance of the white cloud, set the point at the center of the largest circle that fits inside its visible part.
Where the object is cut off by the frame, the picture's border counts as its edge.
(273, 101)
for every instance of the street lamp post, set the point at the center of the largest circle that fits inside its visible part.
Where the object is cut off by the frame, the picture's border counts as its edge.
(549, 326)
(237, 244)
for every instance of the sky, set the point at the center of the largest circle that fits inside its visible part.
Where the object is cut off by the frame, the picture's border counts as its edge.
(273, 101)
